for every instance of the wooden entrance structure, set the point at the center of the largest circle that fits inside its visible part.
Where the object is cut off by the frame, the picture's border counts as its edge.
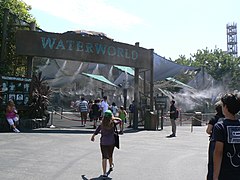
(76, 47)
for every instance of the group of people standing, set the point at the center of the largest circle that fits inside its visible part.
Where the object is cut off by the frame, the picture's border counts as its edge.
(94, 110)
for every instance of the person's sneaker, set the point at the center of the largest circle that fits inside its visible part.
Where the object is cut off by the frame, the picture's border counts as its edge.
(105, 175)
(120, 132)
(171, 135)
(16, 130)
(111, 168)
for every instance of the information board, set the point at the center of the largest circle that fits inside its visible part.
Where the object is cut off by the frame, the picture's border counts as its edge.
(15, 88)
(161, 102)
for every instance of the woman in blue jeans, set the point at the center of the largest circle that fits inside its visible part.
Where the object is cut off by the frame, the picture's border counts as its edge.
(107, 141)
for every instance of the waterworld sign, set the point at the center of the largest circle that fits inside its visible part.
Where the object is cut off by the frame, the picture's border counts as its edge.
(72, 46)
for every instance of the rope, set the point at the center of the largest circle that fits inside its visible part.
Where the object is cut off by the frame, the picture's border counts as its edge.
(71, 119)
(197, 119)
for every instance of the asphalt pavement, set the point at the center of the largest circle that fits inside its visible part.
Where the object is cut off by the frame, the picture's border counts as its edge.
(66, 153)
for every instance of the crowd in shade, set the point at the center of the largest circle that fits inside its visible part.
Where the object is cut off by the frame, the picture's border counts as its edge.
(93, 111)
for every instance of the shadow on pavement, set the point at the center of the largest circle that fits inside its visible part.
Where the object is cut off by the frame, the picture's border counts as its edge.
(60, 131)
(71, 131)
(96, 178)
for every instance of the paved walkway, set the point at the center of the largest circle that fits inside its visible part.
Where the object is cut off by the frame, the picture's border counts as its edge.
(68, 154)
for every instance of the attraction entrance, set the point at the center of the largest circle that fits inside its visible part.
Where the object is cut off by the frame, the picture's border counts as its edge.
(77, 47)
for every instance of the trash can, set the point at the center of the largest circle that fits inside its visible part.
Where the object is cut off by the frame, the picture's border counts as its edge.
(197, 119)
(150, 121)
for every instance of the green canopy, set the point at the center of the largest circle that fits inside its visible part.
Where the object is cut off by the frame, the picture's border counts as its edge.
(129, 70)
(99, 78)
(178, 82)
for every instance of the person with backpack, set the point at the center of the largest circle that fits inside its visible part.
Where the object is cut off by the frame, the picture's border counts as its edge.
(226, 133)
(173, 117)
(107, 140)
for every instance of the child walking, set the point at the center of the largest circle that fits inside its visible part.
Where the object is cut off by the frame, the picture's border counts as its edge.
(122, 114)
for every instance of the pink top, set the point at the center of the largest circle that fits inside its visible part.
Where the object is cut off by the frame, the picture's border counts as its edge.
(10, 115)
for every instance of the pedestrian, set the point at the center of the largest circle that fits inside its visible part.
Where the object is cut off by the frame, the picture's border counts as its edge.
(83, 108)
(107, 141)
(95, 112)
(173, 113)
(76, 104)
(218, 117)
(104, 104)
(90, 103)
(131, 109)
(11, 115)
(114, 109)
(226, 134)
(122, 114)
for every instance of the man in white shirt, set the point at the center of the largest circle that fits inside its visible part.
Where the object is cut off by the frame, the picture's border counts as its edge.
(104, 104)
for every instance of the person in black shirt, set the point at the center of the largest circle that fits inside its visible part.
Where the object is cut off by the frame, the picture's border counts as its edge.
(95, 108)
(227, 136)
(131, 113)
(173, 111)
(218, 117)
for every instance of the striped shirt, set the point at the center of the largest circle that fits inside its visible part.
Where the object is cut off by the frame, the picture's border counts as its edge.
(83, 106)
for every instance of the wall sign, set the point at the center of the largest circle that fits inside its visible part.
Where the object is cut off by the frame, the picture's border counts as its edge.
(15, 88)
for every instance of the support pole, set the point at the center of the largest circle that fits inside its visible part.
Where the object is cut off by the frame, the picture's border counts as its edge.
(51, 116)
(136, 95)
(125, 98)
(151, 81)
(30, 58)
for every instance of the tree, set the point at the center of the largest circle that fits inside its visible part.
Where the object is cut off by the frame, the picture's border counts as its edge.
(221, 66)
(18, 18)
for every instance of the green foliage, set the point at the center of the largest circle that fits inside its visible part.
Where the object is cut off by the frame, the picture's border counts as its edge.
(13, 65)
(221, 66)
(39, 97)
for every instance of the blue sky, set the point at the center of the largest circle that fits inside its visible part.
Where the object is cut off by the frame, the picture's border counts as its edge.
(170, 27)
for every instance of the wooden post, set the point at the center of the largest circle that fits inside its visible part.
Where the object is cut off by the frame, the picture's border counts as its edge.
(30, 58)
(136, 95)
(151, 81)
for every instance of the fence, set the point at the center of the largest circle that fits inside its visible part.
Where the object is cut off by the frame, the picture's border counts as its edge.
(191, 119)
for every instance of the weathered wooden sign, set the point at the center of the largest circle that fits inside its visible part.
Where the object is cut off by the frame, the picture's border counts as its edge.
(72, 46)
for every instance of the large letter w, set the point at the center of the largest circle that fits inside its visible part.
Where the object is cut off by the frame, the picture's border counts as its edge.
(48, 42)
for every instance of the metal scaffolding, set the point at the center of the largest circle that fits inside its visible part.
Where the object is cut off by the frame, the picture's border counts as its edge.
(232, 39)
